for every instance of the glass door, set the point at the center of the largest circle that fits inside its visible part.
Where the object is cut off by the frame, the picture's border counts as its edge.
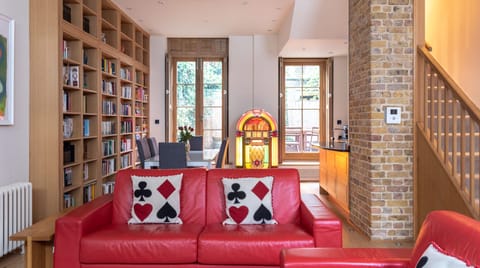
(199, 100)
(303, 108)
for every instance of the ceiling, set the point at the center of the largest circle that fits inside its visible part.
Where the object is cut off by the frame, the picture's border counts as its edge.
(223, 18)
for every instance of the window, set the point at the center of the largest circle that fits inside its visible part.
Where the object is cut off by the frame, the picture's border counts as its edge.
(198, 90)
(303, 107)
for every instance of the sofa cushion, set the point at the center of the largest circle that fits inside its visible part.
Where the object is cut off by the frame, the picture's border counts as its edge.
(434, 257)
(248, 200)
(192, 194)
(141, 243)
(285, 192)
(249, 244)
(156, 199)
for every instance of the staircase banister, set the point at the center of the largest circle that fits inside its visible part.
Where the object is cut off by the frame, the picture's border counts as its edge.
(468, 104)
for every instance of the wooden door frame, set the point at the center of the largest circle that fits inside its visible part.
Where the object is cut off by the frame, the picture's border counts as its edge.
(324, 117)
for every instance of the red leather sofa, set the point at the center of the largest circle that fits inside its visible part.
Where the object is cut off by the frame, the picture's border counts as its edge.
(97, 234)
(452, 235)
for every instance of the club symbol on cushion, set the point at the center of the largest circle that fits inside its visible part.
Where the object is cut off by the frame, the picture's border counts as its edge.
(236, 194)
(262, 214)
(142, 192)
(167, 211)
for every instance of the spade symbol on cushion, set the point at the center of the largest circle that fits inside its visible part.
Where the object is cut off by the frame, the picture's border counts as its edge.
(142, 211)
(167, 211)
(422, 262)
(262, 214)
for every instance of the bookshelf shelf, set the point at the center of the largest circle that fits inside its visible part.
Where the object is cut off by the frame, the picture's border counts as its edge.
(96, 62)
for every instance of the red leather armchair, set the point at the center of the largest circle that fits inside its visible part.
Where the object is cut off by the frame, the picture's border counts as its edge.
(453, 234)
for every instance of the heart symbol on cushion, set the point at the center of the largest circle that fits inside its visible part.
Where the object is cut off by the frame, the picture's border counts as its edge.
(238, 214)
(142, 211)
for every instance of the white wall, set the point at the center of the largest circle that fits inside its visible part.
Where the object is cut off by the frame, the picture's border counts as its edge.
(158, 45)
(452, 29)
(253, 79)
(340, 92)
(14, 141)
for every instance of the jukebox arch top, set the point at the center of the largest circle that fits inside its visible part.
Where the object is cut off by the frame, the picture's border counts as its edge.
(256, 140)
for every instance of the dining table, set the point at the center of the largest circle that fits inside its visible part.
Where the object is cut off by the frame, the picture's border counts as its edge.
(194, 159)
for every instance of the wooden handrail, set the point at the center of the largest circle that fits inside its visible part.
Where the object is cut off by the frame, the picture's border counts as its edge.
(450, 121)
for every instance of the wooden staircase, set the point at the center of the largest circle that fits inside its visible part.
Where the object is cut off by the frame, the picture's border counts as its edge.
(449, 123)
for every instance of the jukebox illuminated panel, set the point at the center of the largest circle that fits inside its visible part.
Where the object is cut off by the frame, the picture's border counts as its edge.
(256, 140)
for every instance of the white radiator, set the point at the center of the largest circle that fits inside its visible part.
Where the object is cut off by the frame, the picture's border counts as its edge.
(15, 213)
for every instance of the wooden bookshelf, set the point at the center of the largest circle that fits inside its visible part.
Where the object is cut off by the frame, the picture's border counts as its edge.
(89, 99)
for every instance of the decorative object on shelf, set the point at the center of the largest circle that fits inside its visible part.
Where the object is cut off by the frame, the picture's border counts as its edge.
(6, 70)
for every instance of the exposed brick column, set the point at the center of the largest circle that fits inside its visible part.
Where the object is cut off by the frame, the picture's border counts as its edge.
(381, 158)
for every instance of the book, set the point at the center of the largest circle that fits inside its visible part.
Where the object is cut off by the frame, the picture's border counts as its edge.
(86, 127)
(67, 127)
(86, 25)
(67, 13)
(85, 171)
(67, 176)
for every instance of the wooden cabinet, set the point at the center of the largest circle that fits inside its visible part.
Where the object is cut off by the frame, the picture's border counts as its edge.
(334, 175)
(89, 99)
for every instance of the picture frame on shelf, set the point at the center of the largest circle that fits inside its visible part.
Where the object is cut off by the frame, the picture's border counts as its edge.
(6, 69)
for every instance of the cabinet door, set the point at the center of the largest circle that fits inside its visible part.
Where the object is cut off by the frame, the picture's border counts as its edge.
(341, 164)
(323, 169)
(331, 173)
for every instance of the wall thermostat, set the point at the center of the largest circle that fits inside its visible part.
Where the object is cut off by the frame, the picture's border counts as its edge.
(393, 115)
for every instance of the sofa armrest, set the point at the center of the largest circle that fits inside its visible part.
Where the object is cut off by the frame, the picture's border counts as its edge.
(81, 221)
(320, 222)
(345, 257)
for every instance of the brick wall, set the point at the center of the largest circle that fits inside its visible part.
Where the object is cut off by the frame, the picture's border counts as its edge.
(381, 158)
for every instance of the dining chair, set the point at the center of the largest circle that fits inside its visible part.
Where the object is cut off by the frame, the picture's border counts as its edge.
(172, 155)
(153, 146)
(143, 151)
(222, 154)
(196, 143)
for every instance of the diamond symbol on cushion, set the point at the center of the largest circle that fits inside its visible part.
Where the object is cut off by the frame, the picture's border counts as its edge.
(166, 189)
(260, 190)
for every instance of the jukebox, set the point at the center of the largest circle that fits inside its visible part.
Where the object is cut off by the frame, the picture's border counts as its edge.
(256, 140)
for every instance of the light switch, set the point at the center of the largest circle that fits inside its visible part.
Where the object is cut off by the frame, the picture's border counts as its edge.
(393, 115)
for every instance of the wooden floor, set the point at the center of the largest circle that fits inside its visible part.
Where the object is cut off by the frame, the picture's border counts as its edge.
(351, 237)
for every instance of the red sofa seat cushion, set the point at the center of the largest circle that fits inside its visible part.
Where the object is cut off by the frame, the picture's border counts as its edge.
(345, 257)
(142, 244)
(247, 244)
